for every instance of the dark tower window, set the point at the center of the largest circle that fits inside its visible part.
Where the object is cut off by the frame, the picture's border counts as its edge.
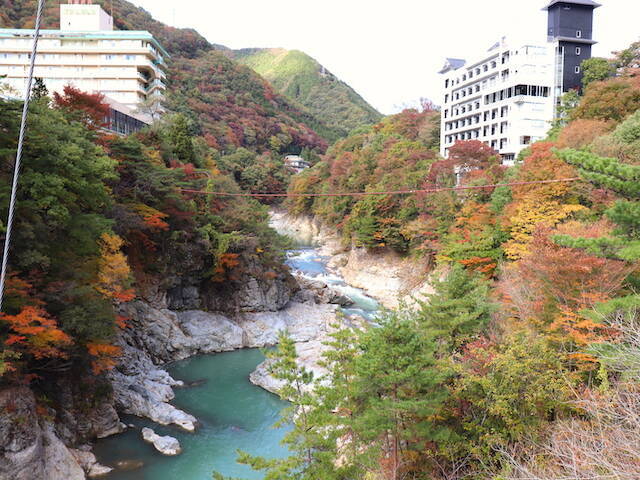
(578, 33)
(578, 50)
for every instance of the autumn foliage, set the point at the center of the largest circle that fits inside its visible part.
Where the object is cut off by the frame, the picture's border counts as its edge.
(89, 108)
(33, 333)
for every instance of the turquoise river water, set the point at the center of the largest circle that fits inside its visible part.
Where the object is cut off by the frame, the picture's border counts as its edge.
(232, 413)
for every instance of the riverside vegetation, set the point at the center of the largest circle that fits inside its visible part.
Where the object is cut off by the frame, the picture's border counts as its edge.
(522, 364)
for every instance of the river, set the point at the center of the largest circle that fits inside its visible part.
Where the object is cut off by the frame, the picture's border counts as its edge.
(232, 413)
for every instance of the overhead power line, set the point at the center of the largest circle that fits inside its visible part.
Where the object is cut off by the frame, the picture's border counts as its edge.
(390, 192)
(16, 167)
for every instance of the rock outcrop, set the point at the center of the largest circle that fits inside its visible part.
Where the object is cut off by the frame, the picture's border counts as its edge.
(164, 444)
(30, 447)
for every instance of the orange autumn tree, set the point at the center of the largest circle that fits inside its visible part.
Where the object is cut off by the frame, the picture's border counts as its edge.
(582, 132)
(33, 334)
(552, 286)
(114, 273)
(114, 283)
(473, 240)
(539, 204)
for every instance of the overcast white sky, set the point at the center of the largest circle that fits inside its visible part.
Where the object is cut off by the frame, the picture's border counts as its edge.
(389, 51)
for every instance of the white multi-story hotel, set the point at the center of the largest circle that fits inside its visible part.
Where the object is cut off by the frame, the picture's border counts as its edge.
(128, 67)
(507, 97)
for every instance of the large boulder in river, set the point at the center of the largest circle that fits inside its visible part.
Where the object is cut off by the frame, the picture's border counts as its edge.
(166, 445)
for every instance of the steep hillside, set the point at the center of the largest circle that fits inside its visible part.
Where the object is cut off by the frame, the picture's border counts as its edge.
(227, 91)
(300, 77)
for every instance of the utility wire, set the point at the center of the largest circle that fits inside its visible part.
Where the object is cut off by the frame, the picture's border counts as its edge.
(16, 167)
(391, 192)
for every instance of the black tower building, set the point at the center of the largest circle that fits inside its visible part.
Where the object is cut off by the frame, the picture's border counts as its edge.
(571, 26)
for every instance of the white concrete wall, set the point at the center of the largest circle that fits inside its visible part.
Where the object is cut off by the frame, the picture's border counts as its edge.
(84, 18)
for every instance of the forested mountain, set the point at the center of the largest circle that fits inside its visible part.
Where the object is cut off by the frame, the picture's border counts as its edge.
(229, 104)
(298, 76)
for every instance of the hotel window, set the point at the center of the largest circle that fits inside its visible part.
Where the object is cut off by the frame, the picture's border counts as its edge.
(494, 64)
(578, 50)
(578, 33)
(478, 71)
(446, 83)
(577, 70)
(485, 67)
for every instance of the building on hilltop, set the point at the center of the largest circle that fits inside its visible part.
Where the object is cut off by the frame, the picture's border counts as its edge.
(127, 67)
(507, 97)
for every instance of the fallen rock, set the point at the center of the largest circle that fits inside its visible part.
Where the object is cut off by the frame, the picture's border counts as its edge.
(320, 292)
(88, 462)
(164, 444)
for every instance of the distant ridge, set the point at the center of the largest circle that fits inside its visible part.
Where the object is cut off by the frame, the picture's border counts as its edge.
(300, 77)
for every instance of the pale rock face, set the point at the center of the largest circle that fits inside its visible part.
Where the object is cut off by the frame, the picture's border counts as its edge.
(303, 321)
(28, 449)
(59, 463)
(166, 445)
(210, 332)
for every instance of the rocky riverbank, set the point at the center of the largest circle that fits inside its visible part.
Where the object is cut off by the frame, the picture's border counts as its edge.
(143, 388)
(385, 275)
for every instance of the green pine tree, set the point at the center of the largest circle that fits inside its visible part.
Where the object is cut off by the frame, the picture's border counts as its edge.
(622, 179)
(458, 309)
(399, 389)
(182, 140)
(39, 90)
(312, 446)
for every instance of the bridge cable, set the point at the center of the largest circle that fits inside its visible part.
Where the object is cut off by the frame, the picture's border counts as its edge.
(391, 192)
(16, 167)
